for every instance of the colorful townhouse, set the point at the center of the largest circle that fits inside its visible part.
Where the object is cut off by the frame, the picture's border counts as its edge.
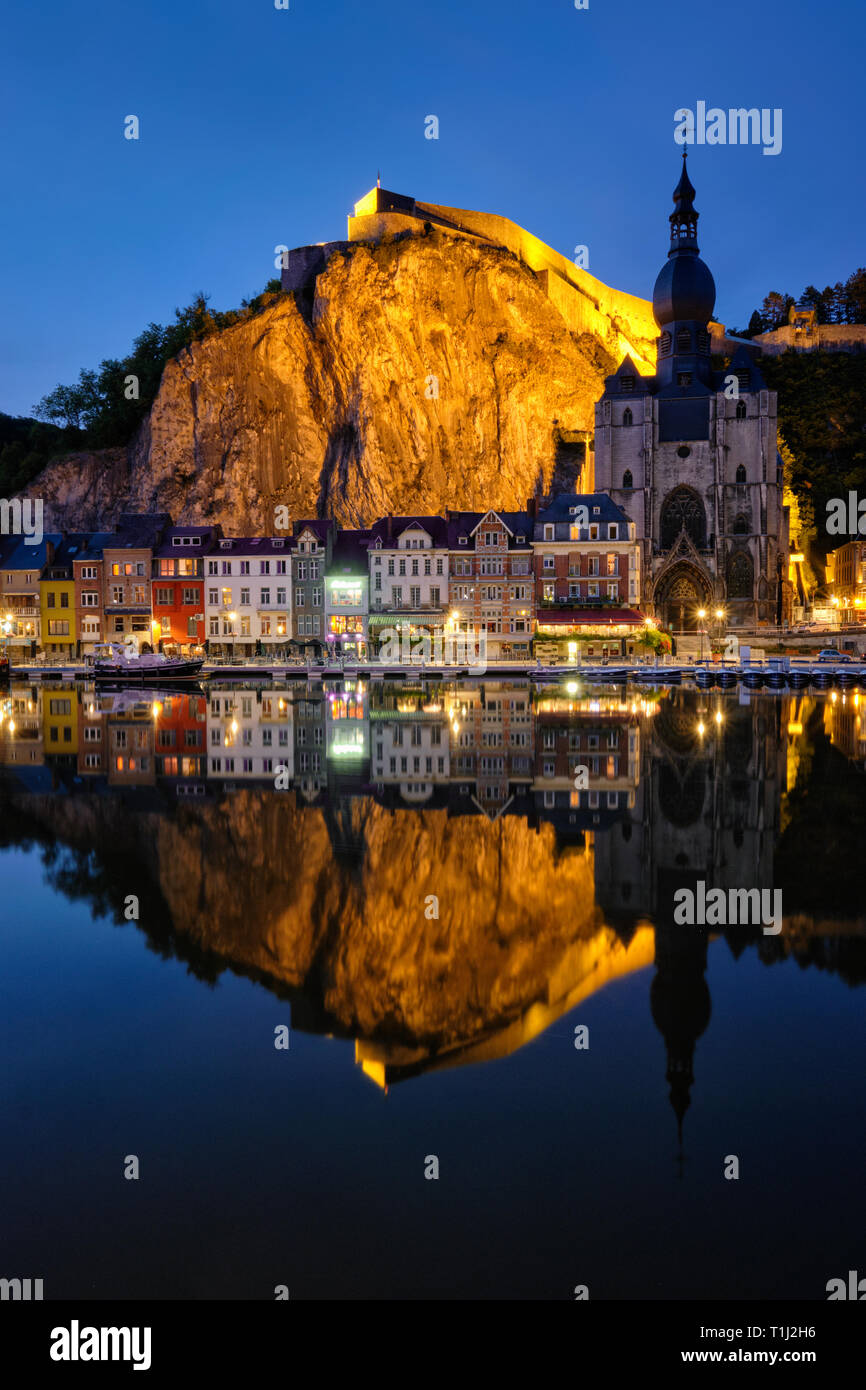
(57, 599)
(312, 548)
(408, 579)
(248, 597)
(126, 577)
(347, 591)
(177, 587)
(249, 734)
(587, 579)
(490, 580)
(60, 707)
(21, 567)
(88, 579)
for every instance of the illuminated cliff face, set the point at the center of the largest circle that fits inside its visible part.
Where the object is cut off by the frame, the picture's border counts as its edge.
(427, 372)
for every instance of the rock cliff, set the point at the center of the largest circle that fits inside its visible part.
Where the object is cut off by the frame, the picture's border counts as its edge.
(417, 373)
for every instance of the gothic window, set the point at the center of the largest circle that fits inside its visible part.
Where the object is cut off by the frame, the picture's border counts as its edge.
(665, 344)
(741, 473)
(740, 576)
(627, 479)
(627, 417)
(684, 340)
(741, 525)
(741, 410)
(683, 508)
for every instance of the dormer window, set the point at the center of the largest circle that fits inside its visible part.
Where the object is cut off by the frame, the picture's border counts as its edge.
(461, 540)
(548, 533)
(626, 383)
(278, 543)
(613, 531)
(225, 545)
(596, 511)
(520, 538)
(175, 540)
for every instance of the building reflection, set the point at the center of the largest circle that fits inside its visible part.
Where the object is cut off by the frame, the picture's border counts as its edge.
(550, 825)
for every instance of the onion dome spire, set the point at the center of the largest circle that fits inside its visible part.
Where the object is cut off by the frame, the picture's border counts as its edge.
(684, 218)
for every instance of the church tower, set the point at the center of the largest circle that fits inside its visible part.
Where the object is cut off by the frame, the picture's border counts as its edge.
(691, 454)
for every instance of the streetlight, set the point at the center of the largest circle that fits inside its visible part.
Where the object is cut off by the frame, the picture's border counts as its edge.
(702, 613)
(720, 619)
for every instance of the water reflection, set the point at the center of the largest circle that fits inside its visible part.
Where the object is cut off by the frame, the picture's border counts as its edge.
(416, 866)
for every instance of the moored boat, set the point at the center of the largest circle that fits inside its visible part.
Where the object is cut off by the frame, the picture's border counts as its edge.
(117, 663)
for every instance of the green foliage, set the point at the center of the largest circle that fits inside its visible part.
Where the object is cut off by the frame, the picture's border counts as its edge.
(822, 416)
(28, 446)
(844, 302)
(110, 403)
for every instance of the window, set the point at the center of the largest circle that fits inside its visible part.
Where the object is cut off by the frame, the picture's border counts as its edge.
(245, 598)
(415, 596)
(117, 593)
(665, 344)
(627, 417)
(89, 599)
(396, 595)
(165, 598)
(245, 566)
(613, 531)
(189, 597)
(245, 627)
(138, 594)
(741, 473)
(741, 410)
(265, 568)
(684, 340)
(213, 567)
(626, 384)
(88, 572)
(548, 533)
(50, 600)
(548, 562)
(627, 480)
(684, 379)
(265, 598)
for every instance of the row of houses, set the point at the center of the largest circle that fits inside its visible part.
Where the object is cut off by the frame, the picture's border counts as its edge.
(531, 582)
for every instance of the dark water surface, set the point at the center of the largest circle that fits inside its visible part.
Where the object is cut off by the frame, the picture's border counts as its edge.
(412, 1035)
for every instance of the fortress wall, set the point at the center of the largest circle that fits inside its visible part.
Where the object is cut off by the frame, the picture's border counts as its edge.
(825, 337)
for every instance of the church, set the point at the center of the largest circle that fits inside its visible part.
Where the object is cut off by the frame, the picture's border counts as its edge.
(691, 456)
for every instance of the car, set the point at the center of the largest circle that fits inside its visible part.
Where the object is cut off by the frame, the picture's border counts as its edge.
(831, 654)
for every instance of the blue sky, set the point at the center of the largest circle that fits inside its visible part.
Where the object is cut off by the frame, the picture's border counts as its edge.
(261, 127)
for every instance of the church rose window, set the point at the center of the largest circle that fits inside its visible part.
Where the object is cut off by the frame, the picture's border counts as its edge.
(683, 509)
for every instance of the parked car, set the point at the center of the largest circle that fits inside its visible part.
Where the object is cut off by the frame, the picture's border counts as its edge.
(831, 654)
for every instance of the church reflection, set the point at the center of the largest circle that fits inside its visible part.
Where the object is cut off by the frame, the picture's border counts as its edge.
(439, 872)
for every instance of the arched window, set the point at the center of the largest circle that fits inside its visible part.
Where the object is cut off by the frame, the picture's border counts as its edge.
(683, 508)
(741, 410)
(740, 576)
(627, 417)
(684, 340)
(741, 473)
(627, 479)
(741, 525)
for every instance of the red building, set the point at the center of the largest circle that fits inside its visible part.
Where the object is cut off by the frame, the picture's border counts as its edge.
(178, 586)
(180, 722)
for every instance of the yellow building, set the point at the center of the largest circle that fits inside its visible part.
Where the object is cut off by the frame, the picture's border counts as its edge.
(60, 722)
(57, 601)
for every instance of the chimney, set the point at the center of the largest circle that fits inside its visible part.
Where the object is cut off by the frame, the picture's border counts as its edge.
(532, 507)
(390, 528)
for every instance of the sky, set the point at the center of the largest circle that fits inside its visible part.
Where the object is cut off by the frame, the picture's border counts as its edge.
(260, 127)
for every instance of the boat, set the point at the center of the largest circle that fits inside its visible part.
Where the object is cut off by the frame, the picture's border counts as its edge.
(705, 678)
(726, 679)
(115, 662)
(777, 680)
(752, 679)
(798, 680)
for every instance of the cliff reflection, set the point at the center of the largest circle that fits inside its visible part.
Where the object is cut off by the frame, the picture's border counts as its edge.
(421, 868)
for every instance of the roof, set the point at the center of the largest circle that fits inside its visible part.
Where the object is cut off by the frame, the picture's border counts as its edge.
(138, 530)
(94, 545)
(321, 527)
(69, 549)
(208, 535)
(24, 555)
(246, 546)
(389, 529)
(467, 523)
(560, 508)
(350, 553)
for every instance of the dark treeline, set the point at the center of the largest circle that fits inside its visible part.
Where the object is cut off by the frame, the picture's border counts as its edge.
(105, 406)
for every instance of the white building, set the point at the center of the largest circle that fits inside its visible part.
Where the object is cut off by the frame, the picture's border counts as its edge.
(248, 596)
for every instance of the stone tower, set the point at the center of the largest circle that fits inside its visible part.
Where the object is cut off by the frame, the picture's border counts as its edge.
(691, 455)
